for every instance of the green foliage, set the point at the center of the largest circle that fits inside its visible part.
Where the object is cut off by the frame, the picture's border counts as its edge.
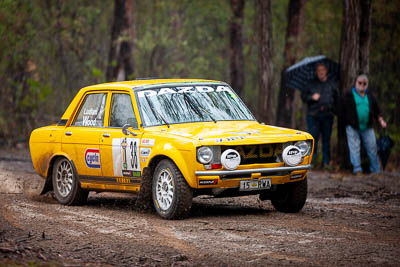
(182, 39)
(385, 58)
(322, 29)
(51, 49)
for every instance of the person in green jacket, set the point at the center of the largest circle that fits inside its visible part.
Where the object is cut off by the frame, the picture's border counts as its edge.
(359, 108)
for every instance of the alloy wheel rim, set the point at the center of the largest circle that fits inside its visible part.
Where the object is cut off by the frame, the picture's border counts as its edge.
(64, 178)
(165, 190)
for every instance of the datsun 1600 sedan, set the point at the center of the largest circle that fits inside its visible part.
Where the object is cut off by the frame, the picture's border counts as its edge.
(170, 140)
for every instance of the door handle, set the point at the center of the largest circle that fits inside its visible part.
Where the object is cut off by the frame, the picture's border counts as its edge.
(106, 134)
(69, 133)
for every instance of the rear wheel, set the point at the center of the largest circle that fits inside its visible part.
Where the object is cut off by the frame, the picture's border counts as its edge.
(290, 197)
(66, 185)
(172, 196)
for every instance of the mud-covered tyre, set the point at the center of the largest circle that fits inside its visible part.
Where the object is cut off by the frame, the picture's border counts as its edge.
(67, 189)
(290, 197)
(172, 197)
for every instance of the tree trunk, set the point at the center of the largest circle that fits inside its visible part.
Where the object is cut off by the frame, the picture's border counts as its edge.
(236, 47)
(354, 58)
(293, 50)
(120, 59)
(265, 112)
(365, 35)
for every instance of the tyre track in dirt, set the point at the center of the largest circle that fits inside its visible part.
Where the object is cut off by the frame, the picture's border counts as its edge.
(345, 222)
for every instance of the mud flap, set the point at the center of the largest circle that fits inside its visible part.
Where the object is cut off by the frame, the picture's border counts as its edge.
(48, 185)
(144, 200)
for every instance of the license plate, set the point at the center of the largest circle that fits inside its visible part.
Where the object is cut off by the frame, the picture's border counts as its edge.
(248, 185)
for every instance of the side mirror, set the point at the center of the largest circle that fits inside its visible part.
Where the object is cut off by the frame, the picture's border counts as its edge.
(126, 131)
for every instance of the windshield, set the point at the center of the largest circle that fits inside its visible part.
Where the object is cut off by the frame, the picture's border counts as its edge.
(180, 104)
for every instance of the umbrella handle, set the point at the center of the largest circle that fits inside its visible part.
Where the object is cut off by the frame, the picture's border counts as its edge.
(383, 131)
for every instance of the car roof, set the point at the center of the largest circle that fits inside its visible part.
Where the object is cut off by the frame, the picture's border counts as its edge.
(130, 85)
(144, 83)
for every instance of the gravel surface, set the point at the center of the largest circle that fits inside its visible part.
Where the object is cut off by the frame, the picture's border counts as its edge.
(347, 220)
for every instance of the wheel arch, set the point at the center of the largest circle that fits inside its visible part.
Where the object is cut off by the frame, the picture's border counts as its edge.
(178, 160)
(48, 184)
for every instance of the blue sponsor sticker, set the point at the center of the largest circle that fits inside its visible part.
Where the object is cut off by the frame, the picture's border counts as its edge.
(92, 158)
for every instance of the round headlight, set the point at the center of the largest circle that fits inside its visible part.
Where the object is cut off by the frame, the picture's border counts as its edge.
(303, 146)
(204, 155)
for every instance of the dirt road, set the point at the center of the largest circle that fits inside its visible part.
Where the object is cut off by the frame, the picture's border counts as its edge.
(347, 221)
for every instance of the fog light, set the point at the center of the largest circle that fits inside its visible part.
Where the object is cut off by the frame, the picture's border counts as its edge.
(292, 155)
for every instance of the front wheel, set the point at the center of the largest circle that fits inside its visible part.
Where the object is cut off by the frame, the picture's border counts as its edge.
(172, 196)
(290, 197)
(66, 185)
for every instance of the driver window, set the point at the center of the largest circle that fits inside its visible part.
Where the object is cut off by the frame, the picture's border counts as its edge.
(92, 110)
(122, 111)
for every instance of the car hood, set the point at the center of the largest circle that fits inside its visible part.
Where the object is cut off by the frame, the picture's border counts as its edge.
(234, 133)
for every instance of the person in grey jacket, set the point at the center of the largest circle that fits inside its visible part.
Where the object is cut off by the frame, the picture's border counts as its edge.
(321, 96)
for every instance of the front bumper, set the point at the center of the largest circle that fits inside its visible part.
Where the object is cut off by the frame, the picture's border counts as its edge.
(231, 179)
(249, 171)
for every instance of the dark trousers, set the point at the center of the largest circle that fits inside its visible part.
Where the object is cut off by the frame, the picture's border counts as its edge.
(321, 125)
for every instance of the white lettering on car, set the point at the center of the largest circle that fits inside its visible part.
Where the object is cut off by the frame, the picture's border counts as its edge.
(147, 93)
(223, 89)
(90, 111)
(166, 91)
(185, 89)
(86, 121)
(204, 89)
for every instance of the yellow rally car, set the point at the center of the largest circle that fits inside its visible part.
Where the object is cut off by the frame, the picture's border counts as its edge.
(170, 140)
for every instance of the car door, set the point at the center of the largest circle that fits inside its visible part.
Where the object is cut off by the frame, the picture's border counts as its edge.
(81, 139)
(120, 152)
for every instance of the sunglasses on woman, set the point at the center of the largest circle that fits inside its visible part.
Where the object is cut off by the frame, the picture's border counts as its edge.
(362, 83)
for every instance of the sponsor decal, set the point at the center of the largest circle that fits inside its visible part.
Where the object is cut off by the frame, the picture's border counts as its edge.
(143, 160)
(145, 152)
(208, 182)
(185, 89)
(291, 155)
(218, 140)
(124, 180)
(247, 132)
(128, 173)
(230, 159)
(126, 160)
(92, 158)
(233, 138)
(296, 176)
(147, 142)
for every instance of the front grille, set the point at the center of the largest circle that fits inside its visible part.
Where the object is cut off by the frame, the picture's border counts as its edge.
(253, 154)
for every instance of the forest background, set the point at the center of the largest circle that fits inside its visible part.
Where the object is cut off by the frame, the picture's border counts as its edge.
(49, 49)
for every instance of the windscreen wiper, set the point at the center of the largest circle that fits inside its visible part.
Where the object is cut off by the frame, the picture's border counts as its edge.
(206, 111)
(155, 112)
(195, 107)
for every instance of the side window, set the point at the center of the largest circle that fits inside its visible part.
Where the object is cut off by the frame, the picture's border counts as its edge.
(92, 111)
(122, 111)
